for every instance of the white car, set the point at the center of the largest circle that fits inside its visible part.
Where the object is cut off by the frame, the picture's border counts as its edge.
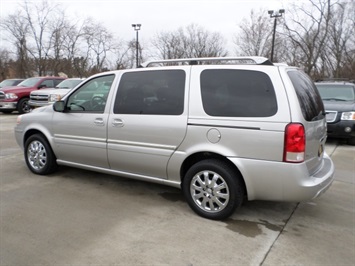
(44, 97)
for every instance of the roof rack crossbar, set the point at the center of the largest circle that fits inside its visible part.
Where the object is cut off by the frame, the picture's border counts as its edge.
(257, 60)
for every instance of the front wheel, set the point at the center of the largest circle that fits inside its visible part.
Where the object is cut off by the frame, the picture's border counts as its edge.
(39, 156)
(213, 189)
(23, 107)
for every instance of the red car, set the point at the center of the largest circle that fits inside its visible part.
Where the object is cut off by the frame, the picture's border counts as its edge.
(16, 98)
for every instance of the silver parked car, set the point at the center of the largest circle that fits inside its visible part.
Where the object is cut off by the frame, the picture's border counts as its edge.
(224, 130)
(10, 82)
(39, 98)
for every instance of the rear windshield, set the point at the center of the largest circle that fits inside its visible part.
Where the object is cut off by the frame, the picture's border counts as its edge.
(308, 95)
(237, 93)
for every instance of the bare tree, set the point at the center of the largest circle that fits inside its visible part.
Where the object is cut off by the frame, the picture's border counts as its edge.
(75, 54)
(307, 29)
(317, 35)
(18, 33)
(39, 17)
(100, 42)
(169, 45)
(4, 64)
(125, 55)
(255, 35)
(339, 37)
(199, 42)
(348, 69)
(191, 41)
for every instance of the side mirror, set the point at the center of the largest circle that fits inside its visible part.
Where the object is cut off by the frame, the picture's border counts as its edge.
(59, 106)
(42, 86)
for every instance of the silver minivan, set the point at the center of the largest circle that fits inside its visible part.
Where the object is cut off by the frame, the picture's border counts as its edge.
(224, 130)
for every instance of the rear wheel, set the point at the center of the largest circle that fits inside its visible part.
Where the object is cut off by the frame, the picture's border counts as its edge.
(39, 156)
(213, 189)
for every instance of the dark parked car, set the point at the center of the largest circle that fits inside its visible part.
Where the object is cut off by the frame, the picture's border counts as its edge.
(10, 82)
(339, 103)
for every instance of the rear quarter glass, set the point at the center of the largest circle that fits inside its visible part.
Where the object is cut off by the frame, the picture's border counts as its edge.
(237, 93)
(308, 96)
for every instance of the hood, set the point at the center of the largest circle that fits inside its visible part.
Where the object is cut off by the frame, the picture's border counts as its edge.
(42, 109)
(47, 92)
(5, 87)
(340, 106)
(12, 88)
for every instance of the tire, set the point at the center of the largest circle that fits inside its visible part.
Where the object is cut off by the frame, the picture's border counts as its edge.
(39, 156)
(217, 199)
(23, 106)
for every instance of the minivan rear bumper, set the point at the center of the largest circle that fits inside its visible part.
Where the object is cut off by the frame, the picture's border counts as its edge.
(279, 181)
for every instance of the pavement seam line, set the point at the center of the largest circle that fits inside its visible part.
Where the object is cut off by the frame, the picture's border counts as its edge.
(282, 230)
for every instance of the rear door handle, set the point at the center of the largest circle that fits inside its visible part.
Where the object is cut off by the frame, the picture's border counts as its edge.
(117, 123)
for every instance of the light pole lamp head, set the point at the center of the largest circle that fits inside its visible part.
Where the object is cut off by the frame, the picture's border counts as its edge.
(136, 26)
(276, 13)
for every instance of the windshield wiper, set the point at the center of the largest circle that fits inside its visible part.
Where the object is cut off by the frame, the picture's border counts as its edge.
(334, 99)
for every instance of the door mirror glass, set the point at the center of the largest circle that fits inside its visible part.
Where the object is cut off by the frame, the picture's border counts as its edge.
(59, 106)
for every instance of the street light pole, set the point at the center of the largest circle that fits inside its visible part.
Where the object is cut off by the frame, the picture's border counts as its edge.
(275, 15)
(137, 27)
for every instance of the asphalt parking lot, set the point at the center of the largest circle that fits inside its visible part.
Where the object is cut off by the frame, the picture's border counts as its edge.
(76, 217)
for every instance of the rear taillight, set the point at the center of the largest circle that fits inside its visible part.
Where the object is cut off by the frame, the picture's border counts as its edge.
(295, 143)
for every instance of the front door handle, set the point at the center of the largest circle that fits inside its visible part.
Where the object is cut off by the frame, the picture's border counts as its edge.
(99, 122)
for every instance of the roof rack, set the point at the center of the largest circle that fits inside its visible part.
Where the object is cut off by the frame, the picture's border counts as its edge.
(243, 60)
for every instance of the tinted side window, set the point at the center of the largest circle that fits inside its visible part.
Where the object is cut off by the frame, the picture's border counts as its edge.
(308, 96)
(237, 93)
(151, 92)
(47, 83)
(57, 81)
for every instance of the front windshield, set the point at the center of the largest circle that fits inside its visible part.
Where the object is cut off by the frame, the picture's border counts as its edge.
(336, 92)
(29, 82)
(68, 84)
(7, 82)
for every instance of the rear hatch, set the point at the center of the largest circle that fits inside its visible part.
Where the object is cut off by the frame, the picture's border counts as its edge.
(313, 118)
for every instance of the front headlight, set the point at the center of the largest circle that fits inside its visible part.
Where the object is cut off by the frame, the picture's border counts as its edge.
(11, 96)
(348, 116)
(18, 119)
(54, 97)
